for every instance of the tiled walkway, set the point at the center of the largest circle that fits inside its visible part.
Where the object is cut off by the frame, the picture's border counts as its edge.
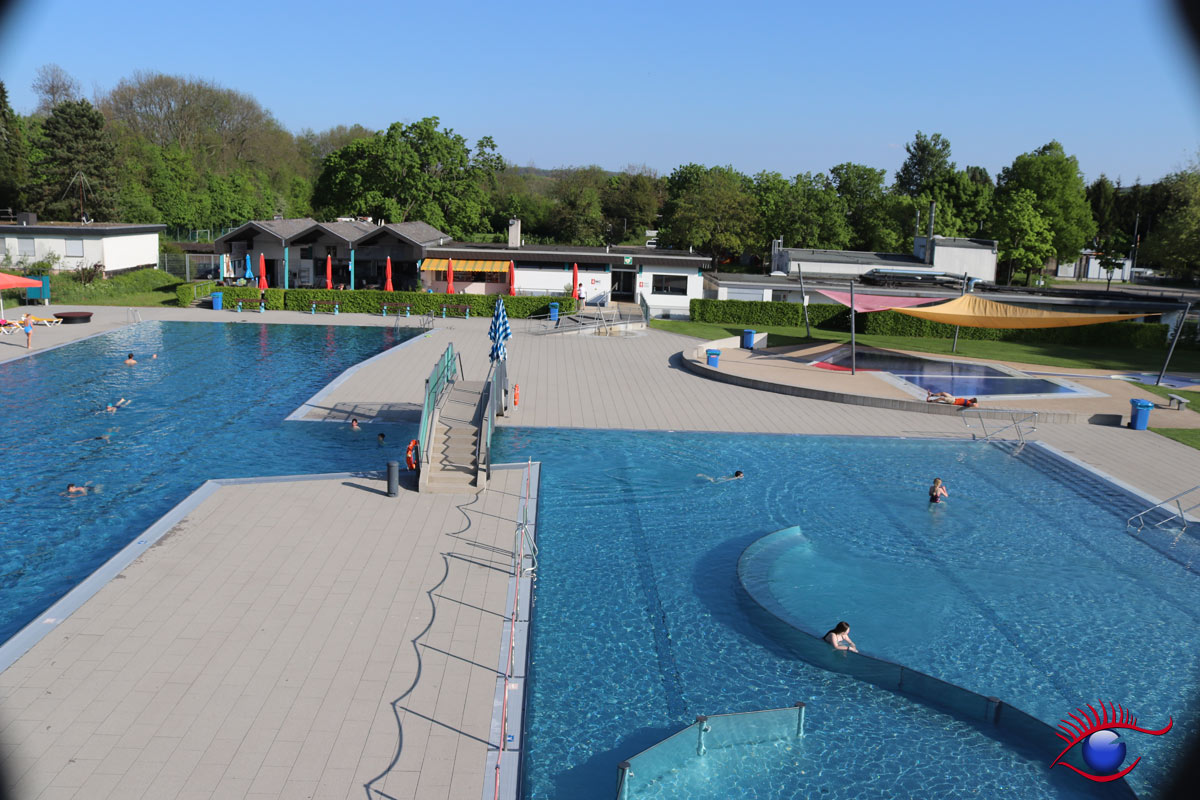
(318, 639)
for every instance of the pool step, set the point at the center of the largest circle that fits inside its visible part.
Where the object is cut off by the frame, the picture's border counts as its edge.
(452, 459)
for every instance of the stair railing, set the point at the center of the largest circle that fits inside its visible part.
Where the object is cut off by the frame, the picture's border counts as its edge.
(1180, 512)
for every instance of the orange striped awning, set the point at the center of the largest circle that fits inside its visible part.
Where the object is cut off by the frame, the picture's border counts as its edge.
(439, 264)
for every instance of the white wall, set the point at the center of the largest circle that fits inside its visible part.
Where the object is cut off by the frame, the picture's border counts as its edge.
(668, 305)
(136, 250)
(116, 252)
(977, 262)
(1088, 267)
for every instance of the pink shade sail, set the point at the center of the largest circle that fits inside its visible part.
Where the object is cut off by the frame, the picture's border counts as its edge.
(450, 276)
(512, 279)
(575, 281)
(328, 272)
(262, 271)
(867, 303)
(387, 279)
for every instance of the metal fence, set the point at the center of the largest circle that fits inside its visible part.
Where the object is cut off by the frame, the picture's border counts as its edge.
(190, 266)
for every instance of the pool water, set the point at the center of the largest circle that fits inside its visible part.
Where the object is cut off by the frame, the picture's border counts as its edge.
(212, 405)
(959, 378)
(1024, 585)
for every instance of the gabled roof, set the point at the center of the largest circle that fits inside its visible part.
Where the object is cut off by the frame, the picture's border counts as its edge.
(417, 234)
(281, 229)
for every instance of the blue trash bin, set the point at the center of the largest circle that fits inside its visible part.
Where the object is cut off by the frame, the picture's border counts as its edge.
(218, 301)
(748, 339)
(554, 312)
(713, 357)
(1139, 415)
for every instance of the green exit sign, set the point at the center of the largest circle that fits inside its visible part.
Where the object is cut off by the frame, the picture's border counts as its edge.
(628, 260)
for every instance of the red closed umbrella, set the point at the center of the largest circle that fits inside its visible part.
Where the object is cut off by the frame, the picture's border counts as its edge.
(450, 276)
(329, 272)
(387, 280)
(262, 271)
(512, 279)
(575, 281)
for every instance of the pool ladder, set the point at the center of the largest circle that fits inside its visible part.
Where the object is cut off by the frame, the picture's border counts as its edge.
(133, 315)
(1180, 513)
(1016, 424)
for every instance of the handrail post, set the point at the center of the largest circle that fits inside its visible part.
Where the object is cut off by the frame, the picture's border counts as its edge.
(701, 729)
(799, 720)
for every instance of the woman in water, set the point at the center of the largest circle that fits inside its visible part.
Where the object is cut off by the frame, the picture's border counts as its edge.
(839, 637)
(937, 491)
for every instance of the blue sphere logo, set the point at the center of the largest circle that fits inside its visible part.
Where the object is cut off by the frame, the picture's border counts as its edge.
(1104, 751)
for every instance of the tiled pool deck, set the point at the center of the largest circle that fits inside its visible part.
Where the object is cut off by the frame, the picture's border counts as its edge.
(315, 638)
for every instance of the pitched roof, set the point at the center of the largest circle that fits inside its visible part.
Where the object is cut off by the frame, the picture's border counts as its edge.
(417, 231)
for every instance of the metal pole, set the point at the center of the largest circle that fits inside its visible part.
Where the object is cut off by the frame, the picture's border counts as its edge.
(1174, 339)
(804, 302)
(853, 356)
(954, 349)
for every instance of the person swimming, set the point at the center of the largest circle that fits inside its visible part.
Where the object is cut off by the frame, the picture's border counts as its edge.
(379, 439)
(129, 359)
(839, 637)
(736, 476)
(354, 426)
(112, 407)
(75, 491)
(937, 491)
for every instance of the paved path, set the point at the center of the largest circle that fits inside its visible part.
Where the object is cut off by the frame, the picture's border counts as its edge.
(259, 651)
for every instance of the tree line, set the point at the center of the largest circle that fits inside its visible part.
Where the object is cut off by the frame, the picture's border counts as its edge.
(192, 155)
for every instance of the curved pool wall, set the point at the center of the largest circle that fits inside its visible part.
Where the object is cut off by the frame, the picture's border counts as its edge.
(1012, 726)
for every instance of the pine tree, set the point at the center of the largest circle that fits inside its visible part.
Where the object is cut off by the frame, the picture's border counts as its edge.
(78, 164)
(14, 157)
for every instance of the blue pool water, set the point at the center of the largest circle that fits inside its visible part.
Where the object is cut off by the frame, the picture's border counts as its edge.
(960, 378)
(211, 405)
(1024, 585)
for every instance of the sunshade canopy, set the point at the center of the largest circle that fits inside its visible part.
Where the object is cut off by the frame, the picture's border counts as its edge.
(876, 302)
(17, 282)
(972, 311)
(431, 264)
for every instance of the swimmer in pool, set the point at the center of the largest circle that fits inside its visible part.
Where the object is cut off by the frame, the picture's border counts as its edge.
(130, 359)
(354, 426)
(75, 491)
(379, 439)
(111, 407)
(736, 476)
(839, 637)
(937, 491)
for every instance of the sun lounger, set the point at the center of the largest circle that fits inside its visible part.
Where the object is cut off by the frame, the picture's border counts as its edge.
(46, 321)
(7, 326)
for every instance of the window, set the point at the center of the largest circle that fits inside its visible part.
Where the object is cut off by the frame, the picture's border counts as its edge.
(306, 252)
(778, 296)
(669, 284)
(74, 248)
(25, 248)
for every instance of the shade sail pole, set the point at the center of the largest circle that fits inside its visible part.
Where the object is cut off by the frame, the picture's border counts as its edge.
(804, 303)
(954, 349)
(1174, 340)
(853, 357)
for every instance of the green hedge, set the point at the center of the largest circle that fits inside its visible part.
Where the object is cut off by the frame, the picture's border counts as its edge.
(368, 301)
(186, 292)
(231, 294)
(759, 312)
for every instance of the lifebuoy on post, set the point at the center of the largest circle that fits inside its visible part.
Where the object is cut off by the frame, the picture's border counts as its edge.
(516, 395)
(410, 458)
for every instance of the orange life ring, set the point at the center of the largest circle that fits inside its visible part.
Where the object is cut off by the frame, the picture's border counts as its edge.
(408, 457)
(516, 395)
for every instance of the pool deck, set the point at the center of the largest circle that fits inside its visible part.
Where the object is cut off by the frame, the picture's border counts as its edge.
(252, 654)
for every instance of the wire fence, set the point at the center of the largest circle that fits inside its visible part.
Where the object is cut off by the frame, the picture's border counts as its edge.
(190, 266)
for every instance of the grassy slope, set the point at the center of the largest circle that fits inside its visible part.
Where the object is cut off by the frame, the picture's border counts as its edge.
(1129, 359)
(146, 287)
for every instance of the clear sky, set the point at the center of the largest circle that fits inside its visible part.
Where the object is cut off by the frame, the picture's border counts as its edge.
(789, 86)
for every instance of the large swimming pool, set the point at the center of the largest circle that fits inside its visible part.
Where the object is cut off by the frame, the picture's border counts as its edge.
(1024, 585)
(211, 405)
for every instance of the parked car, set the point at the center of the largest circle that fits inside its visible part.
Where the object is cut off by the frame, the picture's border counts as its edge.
(652, 242)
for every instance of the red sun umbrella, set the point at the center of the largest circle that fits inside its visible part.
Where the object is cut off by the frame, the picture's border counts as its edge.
(328, 272)
(15, 282)
(387, 280)
(575, 281)
(450, 276)
(262, 271)
(512, 279)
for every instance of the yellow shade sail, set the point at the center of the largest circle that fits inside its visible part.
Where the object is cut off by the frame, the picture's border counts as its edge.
(972, 311)
(440, 264)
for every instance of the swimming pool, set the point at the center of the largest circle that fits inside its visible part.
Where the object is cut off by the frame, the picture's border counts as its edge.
(211, 405)
(917, 376)
(637, 626)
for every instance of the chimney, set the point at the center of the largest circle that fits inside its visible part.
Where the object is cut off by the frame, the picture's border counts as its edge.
(929, 237)
(514, 233)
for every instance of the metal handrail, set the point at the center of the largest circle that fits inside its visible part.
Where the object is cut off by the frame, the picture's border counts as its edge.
(1180, 512)
(442, 375)
(196, 289)
(1015, 424)
(133, 315)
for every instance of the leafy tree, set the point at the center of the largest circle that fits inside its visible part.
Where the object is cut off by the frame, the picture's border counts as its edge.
(805, 212)
(14, 156)
(78, 161)
(631, 201)
(1174, 244)
(53, 86)
(1112, 251)
(1102, 197)
(578, 216)
(410, 172)
(928, 165)
(315, 146)
(862, 189)
(1025, 238)
(1057, 185)
(709, 209)
(971, 193)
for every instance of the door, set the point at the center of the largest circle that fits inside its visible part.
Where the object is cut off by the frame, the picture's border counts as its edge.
(623, 282)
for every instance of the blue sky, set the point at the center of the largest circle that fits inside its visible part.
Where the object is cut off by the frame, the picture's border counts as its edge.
(787, 86)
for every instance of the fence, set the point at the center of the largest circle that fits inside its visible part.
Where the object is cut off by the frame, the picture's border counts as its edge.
(443, 374)
(190, 266)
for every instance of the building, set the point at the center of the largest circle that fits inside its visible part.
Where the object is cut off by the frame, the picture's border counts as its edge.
(118, 246)
(1087, 268)
(295, 253)
(953, 256)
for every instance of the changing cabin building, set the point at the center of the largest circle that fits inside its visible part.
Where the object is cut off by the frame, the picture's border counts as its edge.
(116, 245)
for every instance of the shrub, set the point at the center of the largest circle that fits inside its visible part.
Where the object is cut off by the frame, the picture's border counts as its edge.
(231, 294)
(761, 312)
(87, 275)
(368, 301)
(43, 266)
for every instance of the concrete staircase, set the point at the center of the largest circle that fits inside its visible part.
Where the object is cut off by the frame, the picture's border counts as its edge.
(452, 463)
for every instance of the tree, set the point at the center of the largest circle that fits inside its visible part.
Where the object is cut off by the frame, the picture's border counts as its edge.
(862, 190)
(631, 201)
(709, 209)
(1057, 185)
(410, 172)
(1174, 244)
(78, 164)
(1102, 197)
(1025, 238)
(578, 217)
(1112, 251)
(53, 86)
(805, 212)
(928, 165)
(14, 156)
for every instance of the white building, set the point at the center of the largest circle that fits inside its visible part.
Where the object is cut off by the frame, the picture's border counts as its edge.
(953, 256)
(116, 245)
(1087, 268)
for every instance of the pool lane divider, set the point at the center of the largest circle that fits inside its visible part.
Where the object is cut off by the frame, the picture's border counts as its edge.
(512, 765)
(49, 620)
(312, 403)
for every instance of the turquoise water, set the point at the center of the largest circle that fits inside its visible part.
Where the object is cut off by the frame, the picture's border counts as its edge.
(1025, 585)
(211, 405)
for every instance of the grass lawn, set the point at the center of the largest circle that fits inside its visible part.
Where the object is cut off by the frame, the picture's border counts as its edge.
(1050, 355)
(1188, 436)
(144, 287)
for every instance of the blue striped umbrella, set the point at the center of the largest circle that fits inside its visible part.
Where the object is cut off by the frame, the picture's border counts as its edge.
(499, 332)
